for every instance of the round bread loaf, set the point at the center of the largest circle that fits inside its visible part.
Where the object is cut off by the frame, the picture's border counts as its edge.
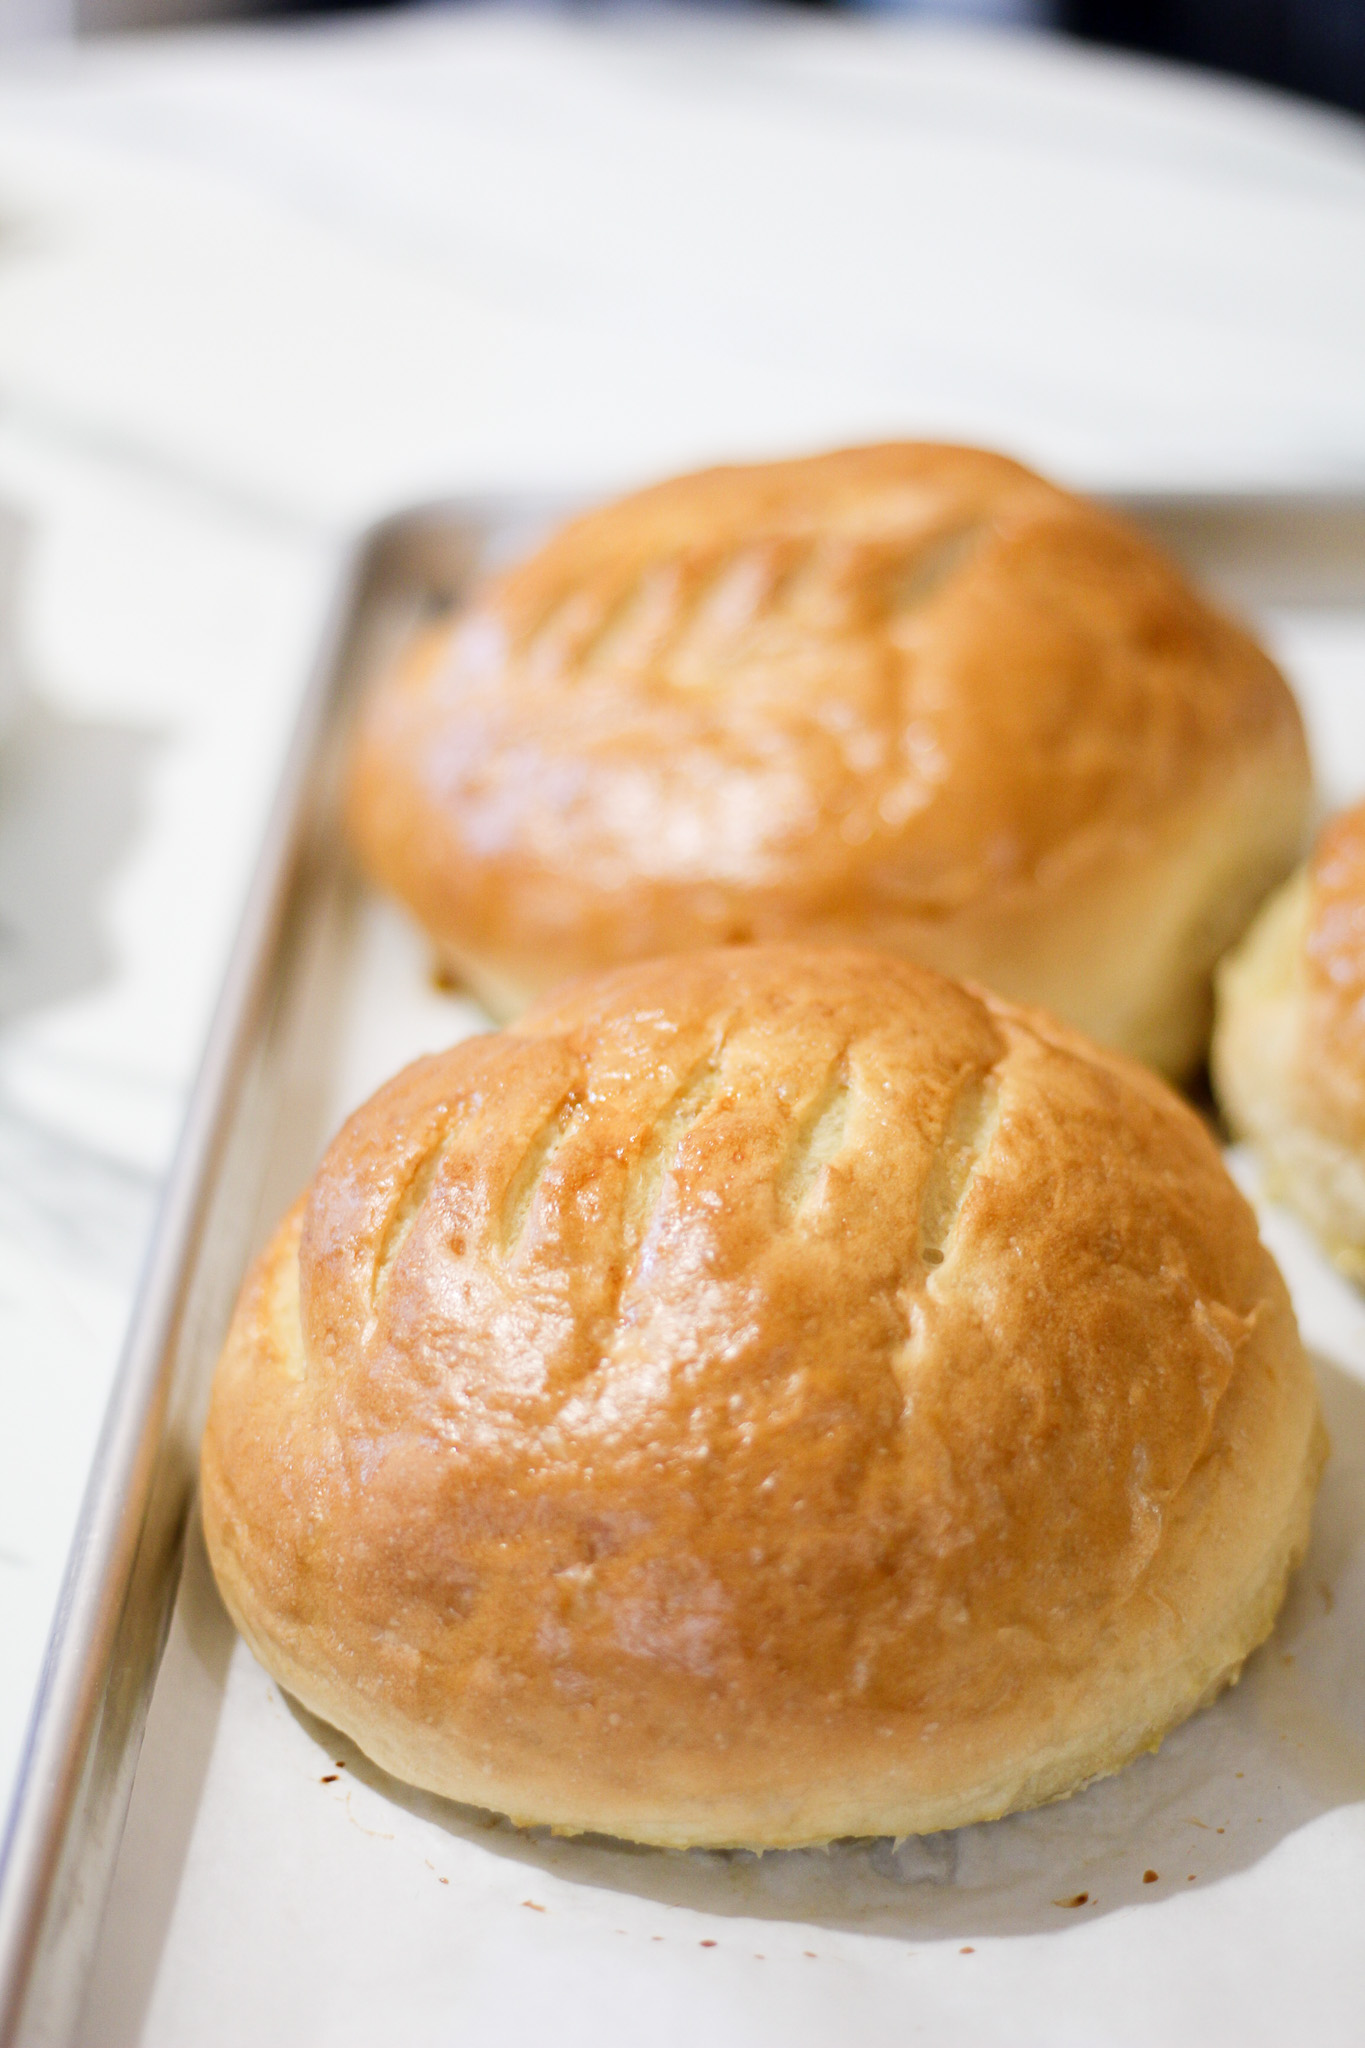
(762, 1397)
(1289, 1050)
(908, 696)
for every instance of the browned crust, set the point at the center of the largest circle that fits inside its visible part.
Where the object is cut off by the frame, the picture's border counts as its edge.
(764, 1396)
(911, 696)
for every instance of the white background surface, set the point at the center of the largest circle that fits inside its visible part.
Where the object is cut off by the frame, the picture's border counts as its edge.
(256, 288)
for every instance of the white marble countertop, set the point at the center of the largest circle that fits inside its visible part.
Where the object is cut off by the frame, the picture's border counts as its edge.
(256, 288)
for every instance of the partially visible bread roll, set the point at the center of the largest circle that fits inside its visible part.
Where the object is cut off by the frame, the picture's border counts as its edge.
(908, 696)
(1289, 1050)
(762, 1397)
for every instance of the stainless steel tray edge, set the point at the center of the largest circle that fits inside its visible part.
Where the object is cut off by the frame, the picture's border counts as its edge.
(85, 1728)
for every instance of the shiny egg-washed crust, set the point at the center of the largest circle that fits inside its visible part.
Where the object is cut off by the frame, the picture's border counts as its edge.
(906, 696)
(1289, 1050)
(762, 1397)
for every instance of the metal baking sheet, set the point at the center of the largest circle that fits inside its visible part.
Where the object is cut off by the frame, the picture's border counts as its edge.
(272, 1886)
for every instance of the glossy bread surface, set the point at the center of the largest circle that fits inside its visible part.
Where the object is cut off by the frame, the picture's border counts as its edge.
(764, 1396)
(912, 696)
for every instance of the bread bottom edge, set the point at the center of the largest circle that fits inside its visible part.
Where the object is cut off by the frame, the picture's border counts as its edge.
(1129, 1730)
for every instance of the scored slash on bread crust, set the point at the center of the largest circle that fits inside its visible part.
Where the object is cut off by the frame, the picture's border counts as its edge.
(764, 1396)
(907, 696)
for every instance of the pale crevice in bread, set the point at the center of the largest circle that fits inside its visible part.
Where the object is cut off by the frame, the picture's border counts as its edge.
(402, 1216)
(957, 1159)
(522, 1189)
(817, 1138)
(711, 1517)
(907, 696)
(932, 566)
(658, 1150)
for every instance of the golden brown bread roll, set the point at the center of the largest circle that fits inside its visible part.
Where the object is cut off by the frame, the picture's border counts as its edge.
(1289, 1048)
(909, 696)
(762, 1397)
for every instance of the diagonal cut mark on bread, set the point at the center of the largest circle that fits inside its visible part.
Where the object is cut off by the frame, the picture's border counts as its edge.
(636, 623)
(933, 564)
(817, 1139)
(684, 1108)
(957, 1161)
(530, 1171)
(706, 601)
(403, 1215)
